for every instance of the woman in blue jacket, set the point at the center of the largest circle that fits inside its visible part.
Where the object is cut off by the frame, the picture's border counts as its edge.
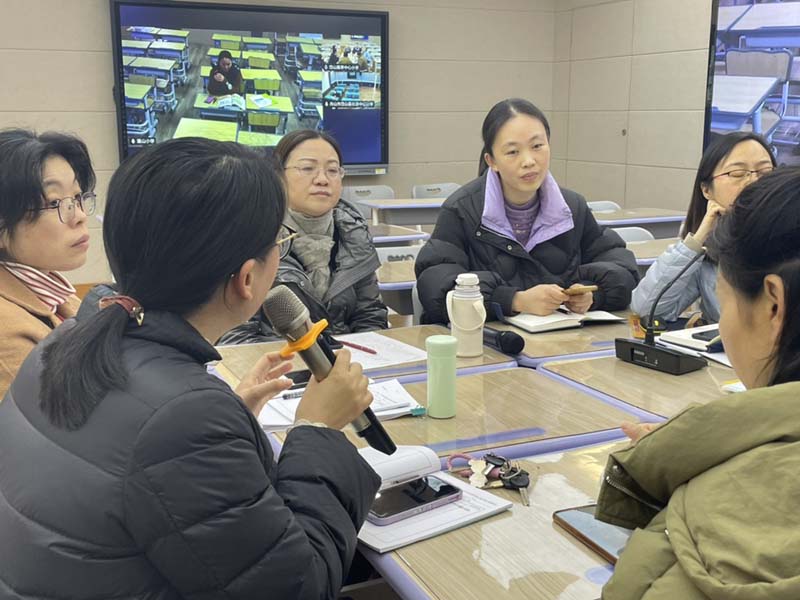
(728, 165)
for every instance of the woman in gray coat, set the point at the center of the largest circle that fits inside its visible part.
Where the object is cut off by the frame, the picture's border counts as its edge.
(728, 165)
(331, 263)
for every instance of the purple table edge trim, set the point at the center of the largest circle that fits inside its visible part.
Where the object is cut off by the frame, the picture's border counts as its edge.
(645, 415)
(411, 237)
(639, 220)
(534, 363)
(422, 376)
(397, 286)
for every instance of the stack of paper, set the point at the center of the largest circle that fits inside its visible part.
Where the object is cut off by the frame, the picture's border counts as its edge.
(390, 400)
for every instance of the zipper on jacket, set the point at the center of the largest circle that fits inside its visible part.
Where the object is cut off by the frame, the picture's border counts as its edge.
(484, 229)
(628, 492)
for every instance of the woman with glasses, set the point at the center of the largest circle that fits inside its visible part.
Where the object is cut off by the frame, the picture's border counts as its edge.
(126, 470)
(328, 260)
(46, 184)
(728, 165)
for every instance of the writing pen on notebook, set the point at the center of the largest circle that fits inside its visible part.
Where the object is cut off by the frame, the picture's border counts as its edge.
(357, 347)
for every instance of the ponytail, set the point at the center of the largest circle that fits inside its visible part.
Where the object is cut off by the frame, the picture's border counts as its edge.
(82, 366)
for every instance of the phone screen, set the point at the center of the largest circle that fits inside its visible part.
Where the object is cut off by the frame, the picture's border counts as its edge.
(410, 495)
(610, 539)
(299, 378)
(706, 336)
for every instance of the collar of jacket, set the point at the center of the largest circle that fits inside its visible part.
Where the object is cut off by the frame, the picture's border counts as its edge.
(355, 255)
(691, 443)
(16, 292)
(553, 219)
(169, 329)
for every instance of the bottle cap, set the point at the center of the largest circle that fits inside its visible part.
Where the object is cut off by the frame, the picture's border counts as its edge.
(467, 279)
(441, 346)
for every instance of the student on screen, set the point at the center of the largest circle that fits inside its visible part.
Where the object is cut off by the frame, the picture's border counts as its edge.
(225, 77)
(331, 263)
(714, 490)
(128, 471)
(729, 164)
(525, 237)
(46, 195)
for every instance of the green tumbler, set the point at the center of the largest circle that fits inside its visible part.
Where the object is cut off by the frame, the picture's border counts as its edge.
(441, 376)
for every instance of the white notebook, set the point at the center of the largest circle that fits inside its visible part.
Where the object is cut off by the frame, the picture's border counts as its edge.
(685, 337)
(410, 462)
(560, 320)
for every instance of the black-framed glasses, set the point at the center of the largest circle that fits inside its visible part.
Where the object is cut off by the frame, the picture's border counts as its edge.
(742, 173)
(66, 206)
(284, 241)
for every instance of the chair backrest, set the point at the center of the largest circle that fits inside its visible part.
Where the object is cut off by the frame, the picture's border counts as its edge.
(354, 193)
(603, 206)
(267, 85)
(263, 119)
(142, 79)
(759, 63)
(634, 234)
(397, 253)
(433, 190)
(416, 306)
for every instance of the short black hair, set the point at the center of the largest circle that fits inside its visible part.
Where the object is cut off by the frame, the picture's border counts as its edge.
(224, 54)
(22, 156)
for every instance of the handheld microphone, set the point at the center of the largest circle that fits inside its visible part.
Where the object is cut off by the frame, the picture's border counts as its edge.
(506, 342)
(291, 319)
(647, 354)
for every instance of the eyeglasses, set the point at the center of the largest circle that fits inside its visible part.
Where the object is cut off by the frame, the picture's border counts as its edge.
(66, 206)
(309, 171)
(742, 173)
(284, 243)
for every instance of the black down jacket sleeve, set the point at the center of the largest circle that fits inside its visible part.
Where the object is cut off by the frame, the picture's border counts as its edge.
(443, 258)
(219, 520)
(607, 263)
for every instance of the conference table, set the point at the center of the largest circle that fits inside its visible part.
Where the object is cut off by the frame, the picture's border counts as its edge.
(635, 388)
(519, 554)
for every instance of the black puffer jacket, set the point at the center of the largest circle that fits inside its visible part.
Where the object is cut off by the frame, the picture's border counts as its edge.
(352, 303)
(170, 490)
(587, 254)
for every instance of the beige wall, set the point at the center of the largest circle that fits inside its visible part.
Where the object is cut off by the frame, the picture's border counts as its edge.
(629, 82)
(595, 70)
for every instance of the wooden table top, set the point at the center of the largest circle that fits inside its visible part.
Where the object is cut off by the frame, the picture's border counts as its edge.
(501, 408)
(563, 342)
(651, 249)
(397, 271)
(237, 360)
(521, 553)
(653, 391)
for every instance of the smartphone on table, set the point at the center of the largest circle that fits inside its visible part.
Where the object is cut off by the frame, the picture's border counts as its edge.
(605, 539)
(411, 498)
(706, 336)
(299, 378)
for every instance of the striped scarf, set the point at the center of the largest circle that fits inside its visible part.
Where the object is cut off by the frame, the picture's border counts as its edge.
(51, 288)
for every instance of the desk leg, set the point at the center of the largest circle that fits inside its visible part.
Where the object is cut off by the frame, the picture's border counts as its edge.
(375, 216)
(757, 120)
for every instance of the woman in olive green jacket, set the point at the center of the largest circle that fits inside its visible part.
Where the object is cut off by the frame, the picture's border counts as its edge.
(715, 489)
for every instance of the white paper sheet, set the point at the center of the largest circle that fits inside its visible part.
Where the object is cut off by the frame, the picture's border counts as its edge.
(390, 352)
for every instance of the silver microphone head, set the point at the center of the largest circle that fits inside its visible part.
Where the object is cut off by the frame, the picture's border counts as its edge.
(287, 313)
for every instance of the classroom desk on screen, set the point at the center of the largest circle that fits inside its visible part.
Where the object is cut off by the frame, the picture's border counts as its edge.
(174, 35)
(280, 105)
(257, 43)
(218, 38)
(770, 25)
(135, 47)
(157, 67)
(215, 130)
(661, 222)
(258, 59)
(254, 138)
(237, 360)
(509, 412)
(404, 211)
(310, 79)
(518, 554)
(391, 235)
(737, 99)
(214, 53)
(596, 339)
(633, 387)
(143, 33)
(727, 16)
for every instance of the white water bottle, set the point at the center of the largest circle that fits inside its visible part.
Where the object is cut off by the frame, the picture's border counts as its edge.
(466, 313)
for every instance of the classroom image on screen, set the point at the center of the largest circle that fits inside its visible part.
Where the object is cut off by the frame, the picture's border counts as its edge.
(756, 80)
(244, 86)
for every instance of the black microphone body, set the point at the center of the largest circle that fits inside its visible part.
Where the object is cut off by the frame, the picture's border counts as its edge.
(647, 354)
(507, 342)
(290, 318)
